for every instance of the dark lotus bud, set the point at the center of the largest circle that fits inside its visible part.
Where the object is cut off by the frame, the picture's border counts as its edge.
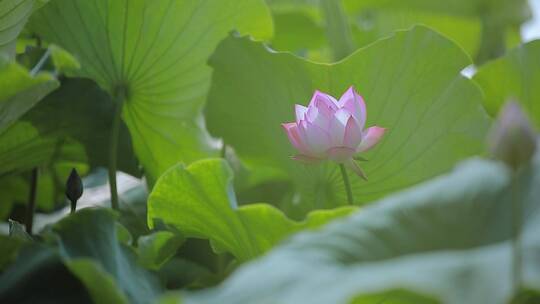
(74, 188)
(513, 139)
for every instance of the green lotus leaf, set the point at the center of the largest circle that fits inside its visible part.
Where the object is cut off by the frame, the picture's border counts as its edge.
(412, 86)
(155, 54)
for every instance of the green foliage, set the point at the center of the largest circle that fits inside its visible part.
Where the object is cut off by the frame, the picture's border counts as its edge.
(199, 202)
(397, 296)
(100, 285)
(156, 53)
(447, 240)
(157, 248)
(9, 247)
(40, 270)
(433, 114)
(13, 16)
(20, 90)
(85, 82)
(91, 234)
(371, 25)
(23, 147)
(514, 76)
(296, 30)
(87, 116)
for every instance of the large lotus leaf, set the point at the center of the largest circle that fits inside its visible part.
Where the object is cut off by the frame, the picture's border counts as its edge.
(514, 76)
(13, 16)
(20, 91)
(156, 52)
(448, 239)
(411, 83)
(91, 234)
(199, 202)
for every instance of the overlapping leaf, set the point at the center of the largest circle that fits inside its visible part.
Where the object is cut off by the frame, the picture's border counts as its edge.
(80, 110)
(20, 91)
(499, 20)
(22, 147)
(199, 202)
(515, 76)
(13, 17)
(155, 52)
(410, 82)
(91, 234)
(447, 241)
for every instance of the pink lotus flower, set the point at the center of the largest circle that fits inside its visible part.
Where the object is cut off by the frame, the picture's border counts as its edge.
(332, 129)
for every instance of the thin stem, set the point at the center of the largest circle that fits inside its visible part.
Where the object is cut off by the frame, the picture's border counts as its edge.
(492, 40)
(347, 183)
(30, 208)
(517, 214)
(223, 152)
(73, 206)
(41, 62)
(113, 147)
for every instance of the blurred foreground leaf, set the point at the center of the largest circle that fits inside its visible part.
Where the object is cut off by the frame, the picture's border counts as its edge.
(448, 240)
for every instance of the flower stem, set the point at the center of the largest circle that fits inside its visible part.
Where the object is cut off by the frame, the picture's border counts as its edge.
(41, 62)
(30, 208)
(516, 235)
(113, 147)
(346, 183)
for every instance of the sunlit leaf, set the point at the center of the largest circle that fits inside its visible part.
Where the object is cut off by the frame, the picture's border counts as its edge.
(155, 52)
(22, 148)
(199, 202)
(20, 91)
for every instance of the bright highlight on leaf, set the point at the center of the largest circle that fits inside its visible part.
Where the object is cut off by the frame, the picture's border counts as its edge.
(332, 129)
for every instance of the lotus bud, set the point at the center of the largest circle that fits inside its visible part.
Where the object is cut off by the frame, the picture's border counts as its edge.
(512, 139)
(74, 188)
